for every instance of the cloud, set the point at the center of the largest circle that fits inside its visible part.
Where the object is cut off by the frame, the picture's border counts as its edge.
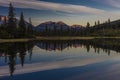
(41, 5)
(113, 3)
(43, 66)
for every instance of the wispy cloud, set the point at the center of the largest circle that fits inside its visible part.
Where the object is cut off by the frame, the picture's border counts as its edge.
(41, 5)
(35, 67)
(113, 3)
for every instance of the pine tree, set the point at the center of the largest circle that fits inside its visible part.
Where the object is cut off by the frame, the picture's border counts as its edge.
(11, 27)
(109, 20)
(109, 24)
(88, 25)
(87, 28)
(22, 26)
(95, 24)
(98, 22)
(30, 30)
(46, 30)
(55, 30)
(61, 30)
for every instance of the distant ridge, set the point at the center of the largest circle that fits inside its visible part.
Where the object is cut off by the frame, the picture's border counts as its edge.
(50, 25)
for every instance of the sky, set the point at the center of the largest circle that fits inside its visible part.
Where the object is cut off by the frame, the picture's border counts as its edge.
(69, 11)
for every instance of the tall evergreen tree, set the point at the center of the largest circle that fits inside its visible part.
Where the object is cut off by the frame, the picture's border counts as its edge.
(109, 24)
(98, 22)
(11, 27)
(55, 30)
(46, 29)
(30, 30)
(87, 28)
(95, 23)
(22, 25)
(88, 25)
(61, 30)
(109, 20)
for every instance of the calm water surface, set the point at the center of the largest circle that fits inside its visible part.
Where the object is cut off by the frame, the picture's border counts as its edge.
(60, 60)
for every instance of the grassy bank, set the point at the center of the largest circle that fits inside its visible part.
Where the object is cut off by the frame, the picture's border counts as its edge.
(53, 38)
(14, 40)
(73, 38)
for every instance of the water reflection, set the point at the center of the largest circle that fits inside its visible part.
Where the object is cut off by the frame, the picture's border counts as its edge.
(11, 51)
(105, 44)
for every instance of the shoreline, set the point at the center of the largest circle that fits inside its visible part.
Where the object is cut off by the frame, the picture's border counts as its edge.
(53, 38)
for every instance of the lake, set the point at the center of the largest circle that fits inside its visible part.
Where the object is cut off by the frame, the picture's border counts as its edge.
(97, 59)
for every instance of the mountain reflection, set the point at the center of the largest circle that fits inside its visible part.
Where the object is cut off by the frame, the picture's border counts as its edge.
(11, 51)
(104, 44)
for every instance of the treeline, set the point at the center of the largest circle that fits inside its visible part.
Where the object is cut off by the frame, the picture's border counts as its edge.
(13, 51)
(13, 28)
(107, 28)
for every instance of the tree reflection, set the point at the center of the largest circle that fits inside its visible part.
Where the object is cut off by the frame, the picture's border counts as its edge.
(97, 44)
(10, 51)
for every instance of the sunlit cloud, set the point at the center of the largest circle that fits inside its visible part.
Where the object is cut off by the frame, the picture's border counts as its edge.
(41, 5)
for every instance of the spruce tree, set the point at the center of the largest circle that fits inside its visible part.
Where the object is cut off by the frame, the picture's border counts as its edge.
(95, 24)
(30, 30)
(87, 28)
(61, 30)
(46, 30)
(55, 30)
(98, 23)
(22, 26)
(88, 25)
(109, 23)
(11, 27)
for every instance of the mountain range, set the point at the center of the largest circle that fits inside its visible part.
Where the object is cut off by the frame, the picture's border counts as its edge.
(59, 25)
(49, 24)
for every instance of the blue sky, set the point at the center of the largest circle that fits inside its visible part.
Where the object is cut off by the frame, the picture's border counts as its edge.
(69, 11)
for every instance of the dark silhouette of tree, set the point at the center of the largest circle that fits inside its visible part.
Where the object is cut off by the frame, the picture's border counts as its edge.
(88, 25)
(95, 23)
(55, 30)
(22, 52)
(11, 27)
(30, 46)
(87, 28)
(98, 22)
(109, 20)
(22, 57)
(12, 63)
(46, 30)
(109, 24)
(12, 58)
(61, 30)
(30, 30)
(22, 26)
